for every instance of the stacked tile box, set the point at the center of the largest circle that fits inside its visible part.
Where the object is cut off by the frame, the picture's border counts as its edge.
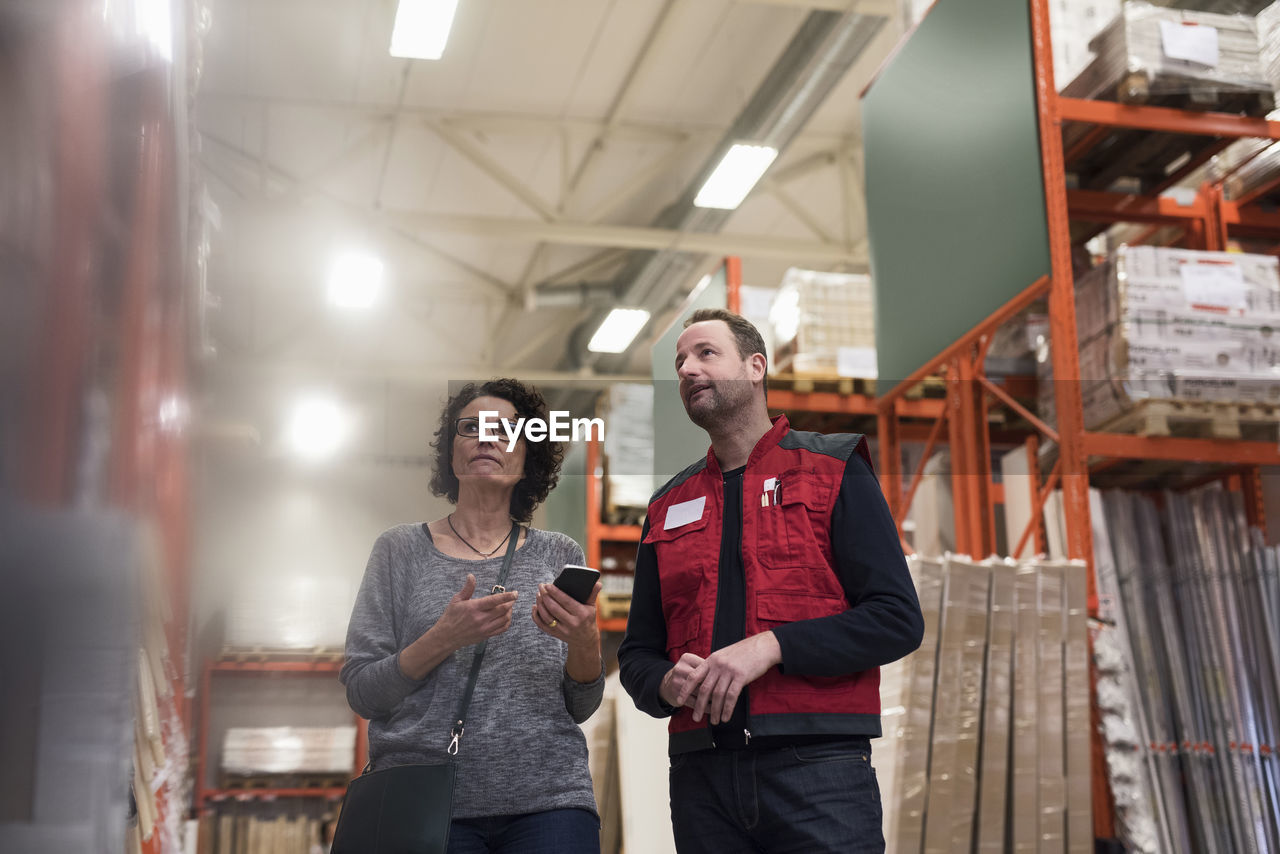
(1149, 51)
(1173, 324)
(824, 324)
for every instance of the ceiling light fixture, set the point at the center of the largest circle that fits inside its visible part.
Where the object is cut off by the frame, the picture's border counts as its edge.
(737, 172)
(317, 428)
(355, 280)
(422, 28)
(618, 330)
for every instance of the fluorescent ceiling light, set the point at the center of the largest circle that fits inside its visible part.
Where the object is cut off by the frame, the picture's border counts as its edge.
(422, 28)
(737, 173)
(618, 330)
(317, 428)
(355, 280)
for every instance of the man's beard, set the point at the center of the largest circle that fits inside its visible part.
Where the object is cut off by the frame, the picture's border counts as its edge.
(719, 405)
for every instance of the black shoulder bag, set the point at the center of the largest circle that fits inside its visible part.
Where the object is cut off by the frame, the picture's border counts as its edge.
(407, 809)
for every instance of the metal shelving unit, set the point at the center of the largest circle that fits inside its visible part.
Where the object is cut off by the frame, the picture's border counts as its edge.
(1207, 223)
(598, 532)
(206, 797)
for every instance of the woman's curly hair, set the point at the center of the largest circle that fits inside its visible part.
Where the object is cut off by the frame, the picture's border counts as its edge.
(542, 459)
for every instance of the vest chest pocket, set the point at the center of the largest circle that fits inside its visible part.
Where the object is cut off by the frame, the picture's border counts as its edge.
(792, 531)
(682, 559)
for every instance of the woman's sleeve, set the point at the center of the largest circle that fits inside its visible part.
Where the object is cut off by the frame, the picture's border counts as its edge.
(371, 673)
(581, 699)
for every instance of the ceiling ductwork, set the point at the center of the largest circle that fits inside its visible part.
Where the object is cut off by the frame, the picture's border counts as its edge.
(815, 61)
(577, 295)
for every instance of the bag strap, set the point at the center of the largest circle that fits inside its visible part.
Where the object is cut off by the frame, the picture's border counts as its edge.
(460, 720)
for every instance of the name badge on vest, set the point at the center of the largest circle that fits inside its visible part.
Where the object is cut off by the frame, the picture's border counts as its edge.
(684, 513)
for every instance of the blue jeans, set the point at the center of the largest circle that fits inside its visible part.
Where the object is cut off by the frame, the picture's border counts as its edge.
(567, 831)
(807, 798)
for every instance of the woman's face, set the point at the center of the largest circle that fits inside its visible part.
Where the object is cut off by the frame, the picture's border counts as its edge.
(473, 457)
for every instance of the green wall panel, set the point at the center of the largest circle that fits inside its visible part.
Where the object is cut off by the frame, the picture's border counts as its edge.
(955, 189)
(566, 505)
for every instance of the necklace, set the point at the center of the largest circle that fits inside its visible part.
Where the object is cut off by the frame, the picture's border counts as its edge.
(449, 518)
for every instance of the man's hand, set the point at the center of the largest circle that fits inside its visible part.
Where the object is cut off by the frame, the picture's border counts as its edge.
(674, 682)
(714, 685)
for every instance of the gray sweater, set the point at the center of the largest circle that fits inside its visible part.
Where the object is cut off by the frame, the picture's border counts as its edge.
(522, 751)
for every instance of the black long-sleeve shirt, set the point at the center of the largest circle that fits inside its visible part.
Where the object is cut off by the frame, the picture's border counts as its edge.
(882, 624)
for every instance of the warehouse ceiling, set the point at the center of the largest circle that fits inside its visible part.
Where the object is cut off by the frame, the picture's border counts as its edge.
(511, 189)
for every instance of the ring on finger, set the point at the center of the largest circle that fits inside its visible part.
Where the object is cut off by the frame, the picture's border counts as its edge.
(554, 622)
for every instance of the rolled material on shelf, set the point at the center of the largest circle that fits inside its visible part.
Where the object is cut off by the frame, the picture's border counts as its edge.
(1196, 604)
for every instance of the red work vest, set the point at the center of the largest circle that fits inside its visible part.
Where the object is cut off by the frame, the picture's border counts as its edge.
(789, 489)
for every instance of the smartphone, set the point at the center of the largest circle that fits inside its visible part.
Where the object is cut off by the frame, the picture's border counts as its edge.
(577, 581)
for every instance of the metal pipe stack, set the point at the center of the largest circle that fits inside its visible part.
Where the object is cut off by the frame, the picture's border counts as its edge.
(1198, 601)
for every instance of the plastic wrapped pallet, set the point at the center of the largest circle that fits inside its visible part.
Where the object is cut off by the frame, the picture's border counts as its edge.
(907, 689)
(824, 323)
(1226, 7)
(952, 799)
(1157, 323)
(1073, 25)
(1025, 802)
(993, 795)
(288, 750)
(1075, 692)
(627, 410)
(1051, 712)
(1148, 52)
(1252, 167)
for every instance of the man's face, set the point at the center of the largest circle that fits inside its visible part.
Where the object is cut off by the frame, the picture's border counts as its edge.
(715, 382)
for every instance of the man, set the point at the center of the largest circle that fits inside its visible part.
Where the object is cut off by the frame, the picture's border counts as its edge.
(770, 586)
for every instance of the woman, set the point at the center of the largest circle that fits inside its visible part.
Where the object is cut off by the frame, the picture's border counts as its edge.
(522, 779)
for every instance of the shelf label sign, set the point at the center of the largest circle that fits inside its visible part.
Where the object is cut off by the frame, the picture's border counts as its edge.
(859, 362)
(1217, 287)
(1191, 42)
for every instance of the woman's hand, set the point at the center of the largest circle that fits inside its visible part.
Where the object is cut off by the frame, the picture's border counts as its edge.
(465, 621)
(558, 614)
(468, 621)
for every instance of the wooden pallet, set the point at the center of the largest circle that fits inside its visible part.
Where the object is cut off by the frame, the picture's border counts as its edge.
(1198, 419)
(805, 382)
(614, 606)
(331, 780)
(1186, 93)
(241, 654)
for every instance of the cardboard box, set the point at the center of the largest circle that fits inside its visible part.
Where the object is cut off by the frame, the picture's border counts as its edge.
(1204, 55)
(824, 323)
(1168, 323)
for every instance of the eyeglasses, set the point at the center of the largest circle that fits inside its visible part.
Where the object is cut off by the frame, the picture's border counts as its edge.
(467, 427)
